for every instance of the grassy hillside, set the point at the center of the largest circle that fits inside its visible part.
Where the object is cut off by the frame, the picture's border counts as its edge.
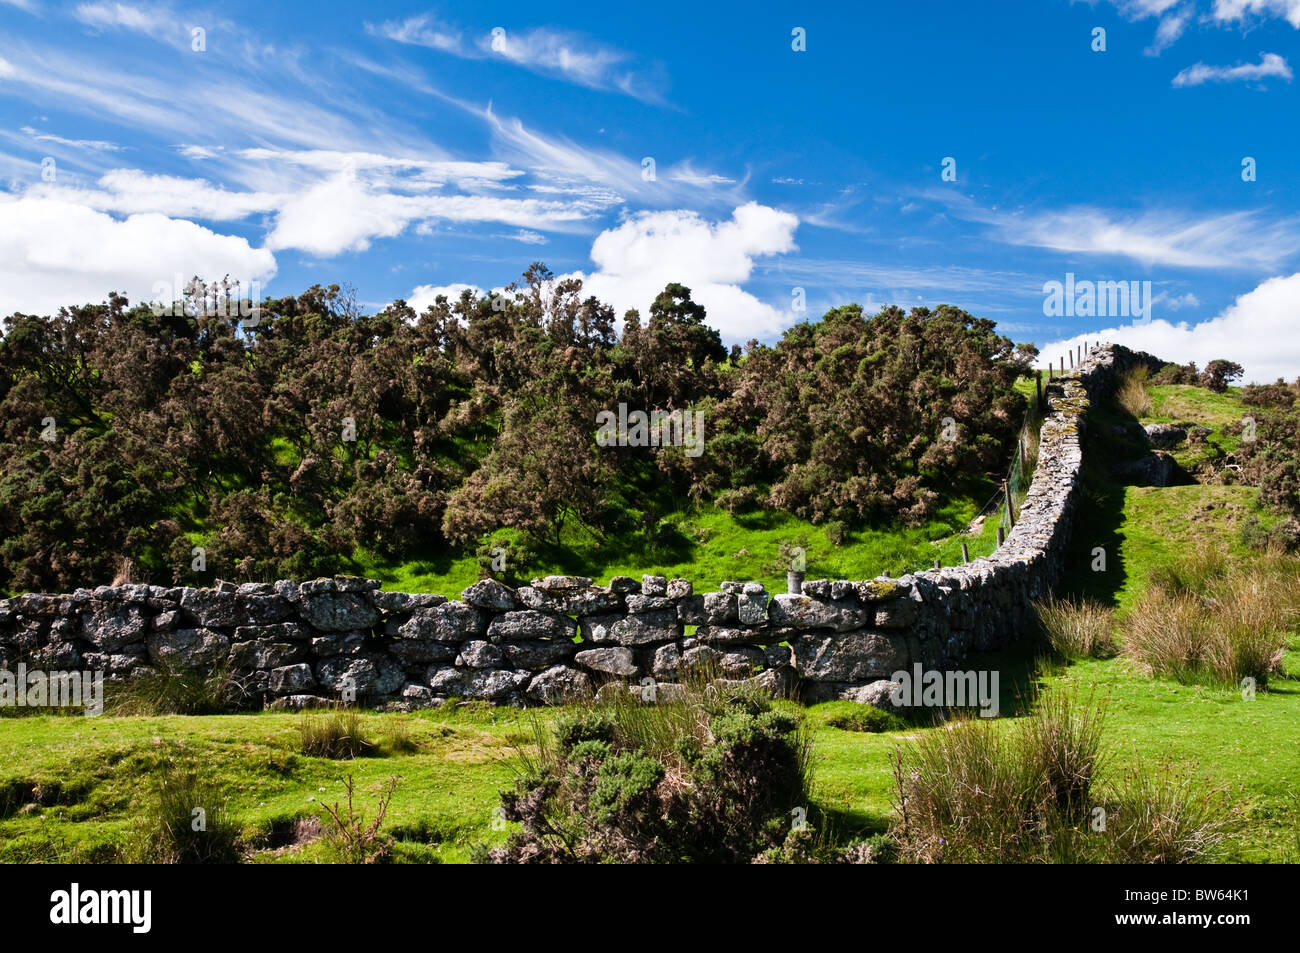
(71, 787)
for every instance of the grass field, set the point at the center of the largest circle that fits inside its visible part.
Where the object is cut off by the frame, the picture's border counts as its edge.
(715, 545)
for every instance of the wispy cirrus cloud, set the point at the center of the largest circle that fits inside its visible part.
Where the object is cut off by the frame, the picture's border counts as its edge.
(99, 145)
(1249, 240)
(563, 54)
(1270, 66)
(1232, 239)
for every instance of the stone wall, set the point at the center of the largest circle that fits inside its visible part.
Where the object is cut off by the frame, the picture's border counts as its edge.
(295, 644)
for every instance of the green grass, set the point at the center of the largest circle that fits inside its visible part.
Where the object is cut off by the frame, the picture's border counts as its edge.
(716, 546)
(448, 791)
(1181, 403)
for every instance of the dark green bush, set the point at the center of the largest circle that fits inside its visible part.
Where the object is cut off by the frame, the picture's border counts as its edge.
(712, 777)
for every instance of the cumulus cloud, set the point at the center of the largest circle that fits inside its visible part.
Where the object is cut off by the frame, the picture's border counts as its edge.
(1258, 331)
(423, 296)
(636, 259)
(55, 253)
(1269, 65)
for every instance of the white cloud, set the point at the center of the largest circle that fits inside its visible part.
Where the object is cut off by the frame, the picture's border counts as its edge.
(1234, 10)
(1232, 239)
(55, 253)
(560, 53)
(422, 31)
(1269, 65)
(98, 145)
(1164, 299)
(1168, 31)
(6, 68)
(422, 296)
(131, 191)
(155, 21)
(527, 237)
(343, 213)
(636, 259)
(1257, 331)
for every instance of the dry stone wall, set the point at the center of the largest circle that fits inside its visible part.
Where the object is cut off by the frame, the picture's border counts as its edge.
(297, 644)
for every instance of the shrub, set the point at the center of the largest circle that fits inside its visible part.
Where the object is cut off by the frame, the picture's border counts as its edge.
(1219, 374)
(1078, 629)
(1252, 534)
(351, 840)
(1268, 395)
(1132, 394)
(740, 500)
(336, 735)
(974, 793)
(184, 822)
(1201, 620)
(710, 774)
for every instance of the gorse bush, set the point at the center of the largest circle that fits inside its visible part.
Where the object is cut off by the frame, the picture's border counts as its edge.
(1037, 792)
(184, 821)
(1202, 620)
(1078, 628)
(709, 774)
(472, 422)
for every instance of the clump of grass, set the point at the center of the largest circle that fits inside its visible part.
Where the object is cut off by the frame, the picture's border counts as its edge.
(354, 841)
(1202, 620)
(1193, 572)
(1132, 393)
(177, 691)
(866, 718)
(336, 735)
(975, 792)
(395, 737)
(1078, 628)
(185, 821)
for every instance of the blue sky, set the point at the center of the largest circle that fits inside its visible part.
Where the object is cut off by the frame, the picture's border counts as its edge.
(410, 148)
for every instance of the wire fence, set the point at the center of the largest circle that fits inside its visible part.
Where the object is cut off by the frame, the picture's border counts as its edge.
(981, 534)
